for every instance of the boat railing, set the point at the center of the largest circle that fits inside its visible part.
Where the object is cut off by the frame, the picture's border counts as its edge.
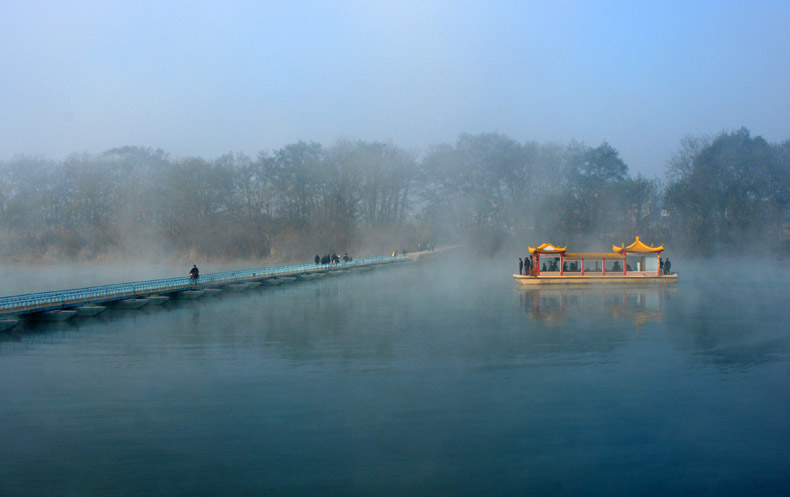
(642, 273)
(598, 273)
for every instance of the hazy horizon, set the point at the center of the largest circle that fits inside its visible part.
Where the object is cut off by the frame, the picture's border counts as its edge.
(211, 78)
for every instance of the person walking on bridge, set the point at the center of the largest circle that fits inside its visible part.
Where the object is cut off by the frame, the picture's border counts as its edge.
(194, 274)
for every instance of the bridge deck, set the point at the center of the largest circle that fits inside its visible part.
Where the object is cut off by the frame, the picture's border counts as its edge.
(64, 299)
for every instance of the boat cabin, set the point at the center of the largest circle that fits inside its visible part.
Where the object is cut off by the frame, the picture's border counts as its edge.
(635, 260)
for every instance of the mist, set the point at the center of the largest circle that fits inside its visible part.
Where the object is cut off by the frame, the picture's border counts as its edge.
(487, 192)
(201, 80)
(206, 133)
(140, 138)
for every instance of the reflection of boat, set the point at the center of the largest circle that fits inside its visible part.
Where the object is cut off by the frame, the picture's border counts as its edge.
(636, 263)
(638, 304)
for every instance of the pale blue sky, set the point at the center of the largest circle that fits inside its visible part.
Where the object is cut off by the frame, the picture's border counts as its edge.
(206, 78)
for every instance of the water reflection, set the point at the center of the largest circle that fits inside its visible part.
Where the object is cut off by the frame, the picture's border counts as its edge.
(733, 323)
(409, 381)
(627, 304)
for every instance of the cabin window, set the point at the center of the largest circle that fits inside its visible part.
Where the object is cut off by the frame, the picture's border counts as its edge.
(614, 265)
(550, 264)
(642, 263)
(592, 266)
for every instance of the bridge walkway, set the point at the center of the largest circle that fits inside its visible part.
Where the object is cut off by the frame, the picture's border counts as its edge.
(16, 305)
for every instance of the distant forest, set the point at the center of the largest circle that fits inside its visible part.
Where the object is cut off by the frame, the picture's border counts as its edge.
(730, 192)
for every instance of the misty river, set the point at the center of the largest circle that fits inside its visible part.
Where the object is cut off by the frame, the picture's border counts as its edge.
(434, 378)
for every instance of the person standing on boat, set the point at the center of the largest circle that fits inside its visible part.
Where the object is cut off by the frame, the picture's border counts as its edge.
(667, 267)
(520, 266)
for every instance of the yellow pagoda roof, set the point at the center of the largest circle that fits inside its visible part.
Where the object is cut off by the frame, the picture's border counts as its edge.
(592, 255)
(547, 248)
(638, 247)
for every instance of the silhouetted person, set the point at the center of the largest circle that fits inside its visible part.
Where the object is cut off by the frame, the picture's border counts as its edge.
(194, 274)
(543, 268)
(520, 266)
(668, 267)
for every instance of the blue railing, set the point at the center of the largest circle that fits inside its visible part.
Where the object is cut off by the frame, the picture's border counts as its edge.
(34, 302)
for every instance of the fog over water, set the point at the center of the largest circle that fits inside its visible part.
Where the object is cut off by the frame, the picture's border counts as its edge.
(139, 138)
(421, 379)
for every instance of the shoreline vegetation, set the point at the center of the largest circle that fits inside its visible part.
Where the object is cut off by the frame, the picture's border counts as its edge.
(486, 191)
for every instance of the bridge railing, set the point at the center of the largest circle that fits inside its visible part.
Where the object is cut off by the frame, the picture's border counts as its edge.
(62, 298)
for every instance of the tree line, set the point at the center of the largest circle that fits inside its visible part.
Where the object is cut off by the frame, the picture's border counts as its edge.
(487, 191)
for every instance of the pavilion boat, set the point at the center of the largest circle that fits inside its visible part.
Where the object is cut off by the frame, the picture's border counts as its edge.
(636, 263)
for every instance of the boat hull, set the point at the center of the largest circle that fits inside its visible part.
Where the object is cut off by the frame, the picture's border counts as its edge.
(8, 323)
(89, 310)
(132, 303)
(157, 299)
(594, 279)
(189, 294)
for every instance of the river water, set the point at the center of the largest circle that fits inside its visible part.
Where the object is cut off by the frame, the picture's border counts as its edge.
(421, 379)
